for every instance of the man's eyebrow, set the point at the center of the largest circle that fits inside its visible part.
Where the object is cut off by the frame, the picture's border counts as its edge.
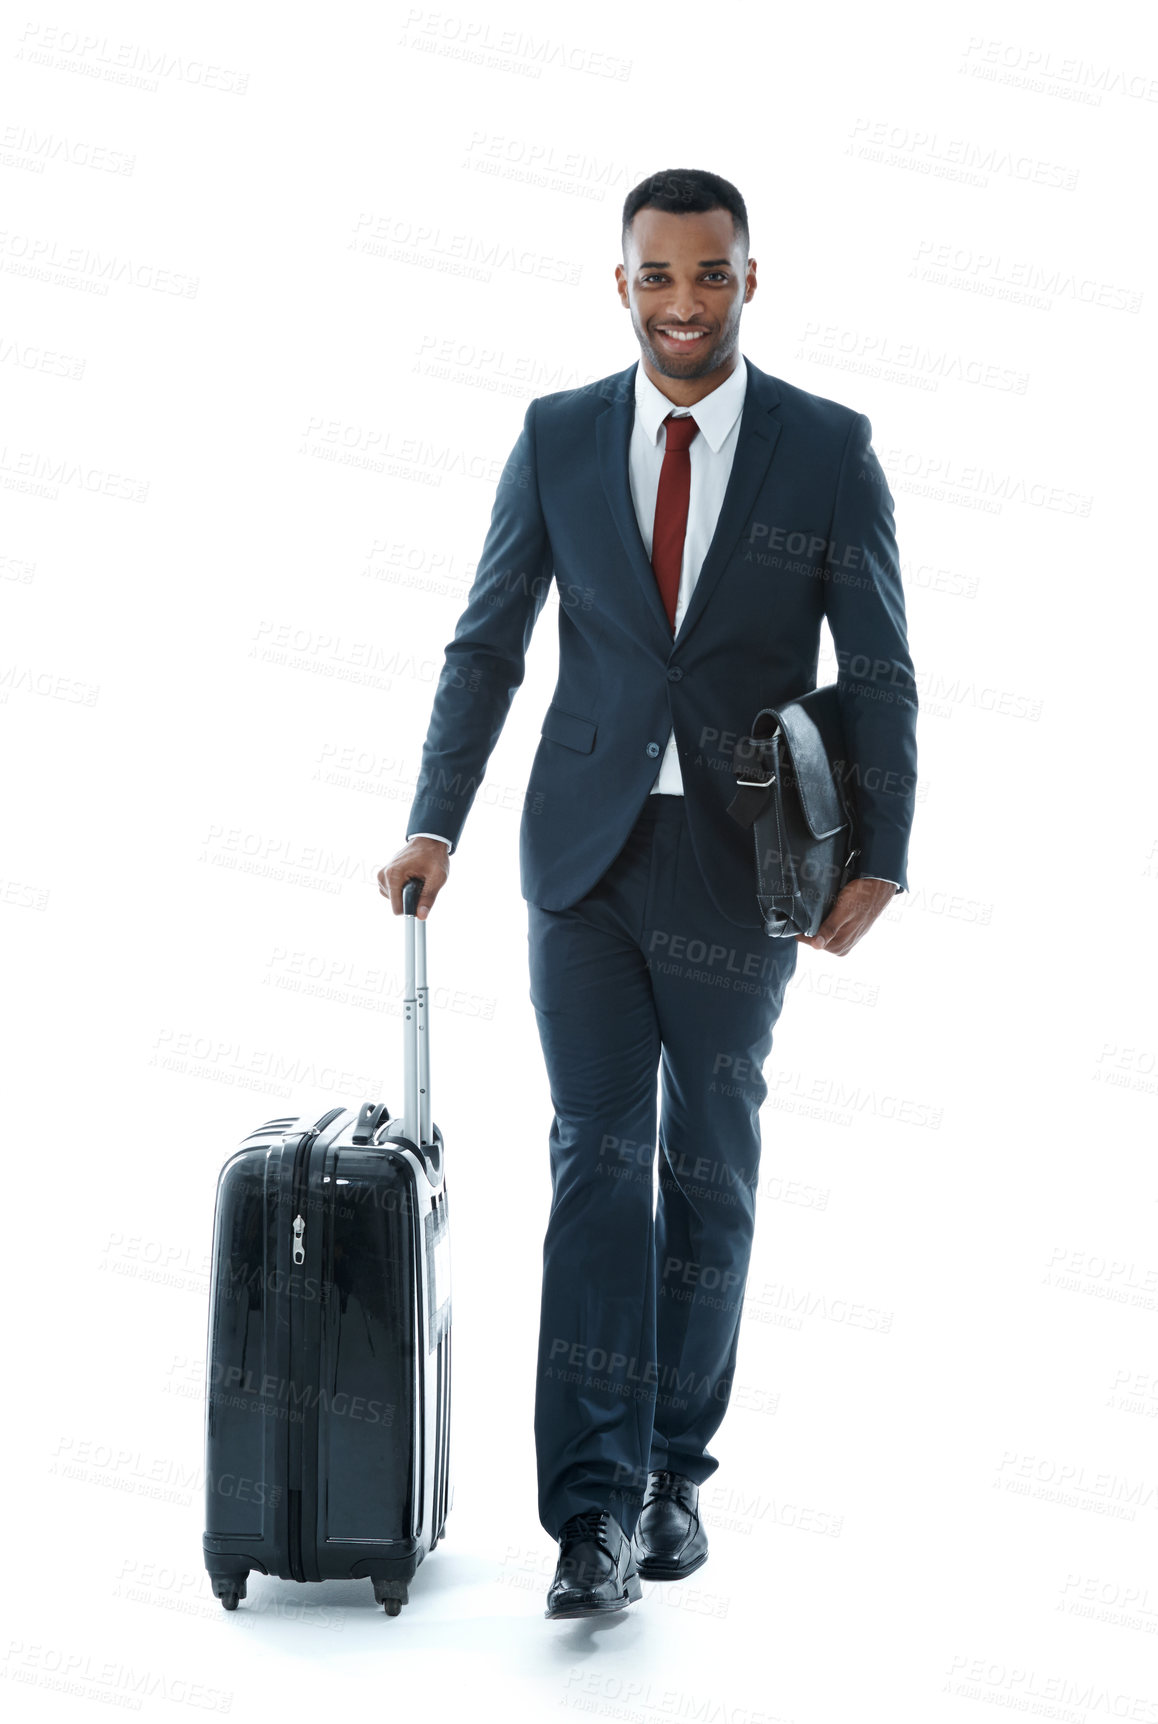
(704, 263)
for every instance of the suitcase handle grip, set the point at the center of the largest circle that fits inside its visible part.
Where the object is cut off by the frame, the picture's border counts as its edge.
(370, 1118)
(416, 1049)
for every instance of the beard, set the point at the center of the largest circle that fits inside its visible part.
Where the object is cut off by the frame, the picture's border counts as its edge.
(707, 355)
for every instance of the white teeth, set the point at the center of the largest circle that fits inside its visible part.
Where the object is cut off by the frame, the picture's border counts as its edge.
(677, 335)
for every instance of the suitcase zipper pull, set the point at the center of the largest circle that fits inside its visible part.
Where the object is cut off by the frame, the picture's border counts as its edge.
(299, 1239)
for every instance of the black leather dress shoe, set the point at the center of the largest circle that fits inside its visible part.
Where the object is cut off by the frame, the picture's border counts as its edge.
(596, 1568)
(669, 1540)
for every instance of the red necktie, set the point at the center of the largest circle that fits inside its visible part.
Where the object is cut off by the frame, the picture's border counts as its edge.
(671, 510)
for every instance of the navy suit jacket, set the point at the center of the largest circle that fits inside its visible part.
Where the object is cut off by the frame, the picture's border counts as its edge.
(805, 532)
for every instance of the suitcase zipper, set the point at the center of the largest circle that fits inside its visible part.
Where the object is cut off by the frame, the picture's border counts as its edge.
(299, 1189)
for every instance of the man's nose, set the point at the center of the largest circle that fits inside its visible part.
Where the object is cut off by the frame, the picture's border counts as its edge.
(685, 306)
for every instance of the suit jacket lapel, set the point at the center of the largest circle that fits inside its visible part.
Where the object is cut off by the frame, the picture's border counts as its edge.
(756, 439)
(612, 436)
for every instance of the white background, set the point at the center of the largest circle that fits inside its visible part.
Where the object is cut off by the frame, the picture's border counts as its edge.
(257, 387)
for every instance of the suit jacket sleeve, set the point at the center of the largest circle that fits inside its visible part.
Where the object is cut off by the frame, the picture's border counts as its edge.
(865, 608)
(486, 660)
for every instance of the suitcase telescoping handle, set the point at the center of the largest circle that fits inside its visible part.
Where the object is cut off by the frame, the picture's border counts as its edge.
(415, 1017)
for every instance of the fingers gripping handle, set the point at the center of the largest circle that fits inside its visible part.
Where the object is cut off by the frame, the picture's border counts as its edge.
(416, 1045)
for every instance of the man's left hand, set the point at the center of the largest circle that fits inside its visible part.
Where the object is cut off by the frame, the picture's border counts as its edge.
(856, 909)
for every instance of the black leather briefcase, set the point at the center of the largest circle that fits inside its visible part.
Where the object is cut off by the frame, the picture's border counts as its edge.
(789, 773)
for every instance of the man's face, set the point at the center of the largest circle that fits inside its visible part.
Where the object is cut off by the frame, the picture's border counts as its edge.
(685, 274)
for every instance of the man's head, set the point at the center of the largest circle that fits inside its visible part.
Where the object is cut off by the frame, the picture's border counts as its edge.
(686, 269)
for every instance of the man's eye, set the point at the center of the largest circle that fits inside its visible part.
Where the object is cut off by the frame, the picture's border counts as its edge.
(720, 274)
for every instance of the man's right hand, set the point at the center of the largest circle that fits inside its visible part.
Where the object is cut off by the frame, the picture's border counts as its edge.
(429, 858)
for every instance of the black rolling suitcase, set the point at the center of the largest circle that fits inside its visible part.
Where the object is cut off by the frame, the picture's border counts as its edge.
(327, 1395)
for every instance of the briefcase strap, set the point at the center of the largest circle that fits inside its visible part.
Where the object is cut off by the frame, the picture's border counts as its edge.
(754, 766)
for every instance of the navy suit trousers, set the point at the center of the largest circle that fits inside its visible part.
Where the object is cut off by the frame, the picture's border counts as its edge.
(642, 986)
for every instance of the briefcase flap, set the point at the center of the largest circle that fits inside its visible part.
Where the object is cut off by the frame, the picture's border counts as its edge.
(819, 796)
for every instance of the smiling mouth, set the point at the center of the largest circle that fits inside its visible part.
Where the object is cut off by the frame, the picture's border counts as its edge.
(677, 337)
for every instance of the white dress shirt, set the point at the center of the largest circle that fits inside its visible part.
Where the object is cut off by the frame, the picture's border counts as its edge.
(711, 452)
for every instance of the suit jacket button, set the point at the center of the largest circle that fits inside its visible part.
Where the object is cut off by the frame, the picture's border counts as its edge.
(674, 673)
(653, 749)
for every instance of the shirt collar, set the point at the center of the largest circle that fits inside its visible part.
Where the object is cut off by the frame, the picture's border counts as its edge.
(714, 415)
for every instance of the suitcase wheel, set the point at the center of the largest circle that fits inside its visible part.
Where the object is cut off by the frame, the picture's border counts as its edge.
(391, 1593)
(229, 1588)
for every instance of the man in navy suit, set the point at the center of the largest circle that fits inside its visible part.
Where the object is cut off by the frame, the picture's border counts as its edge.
(701, 519)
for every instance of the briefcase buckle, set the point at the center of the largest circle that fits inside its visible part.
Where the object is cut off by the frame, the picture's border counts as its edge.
(757, 745)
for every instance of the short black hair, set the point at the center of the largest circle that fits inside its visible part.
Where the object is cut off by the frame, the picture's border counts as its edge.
(686, 191)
